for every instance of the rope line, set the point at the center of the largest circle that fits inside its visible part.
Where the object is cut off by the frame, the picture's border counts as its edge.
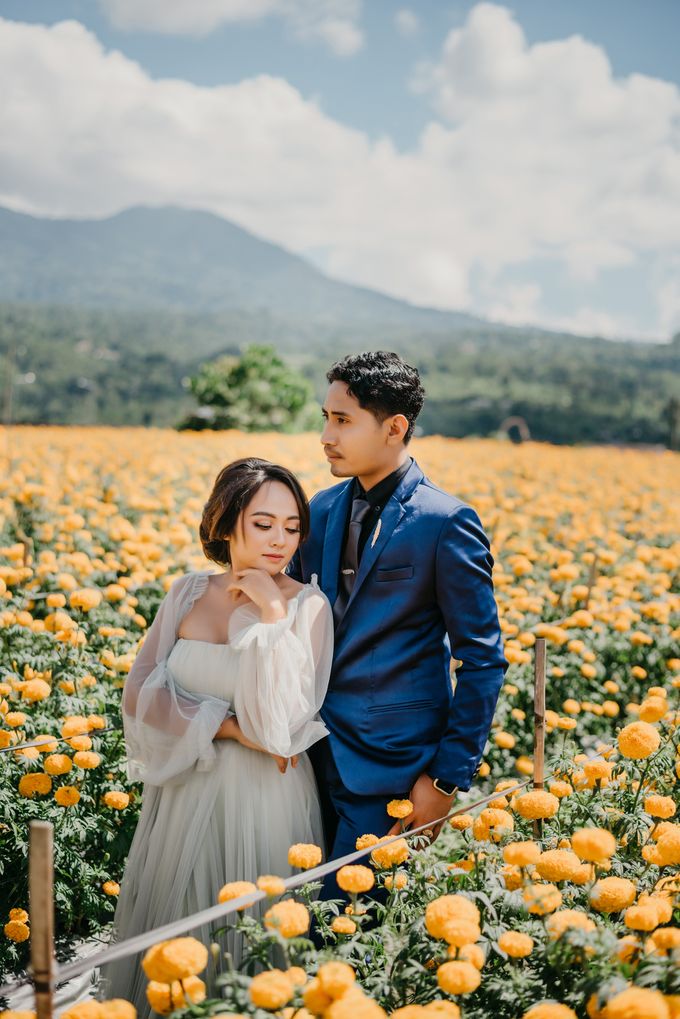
(59, 739)
(142, 941)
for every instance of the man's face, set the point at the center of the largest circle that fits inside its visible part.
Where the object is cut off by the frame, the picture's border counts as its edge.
(354, 441)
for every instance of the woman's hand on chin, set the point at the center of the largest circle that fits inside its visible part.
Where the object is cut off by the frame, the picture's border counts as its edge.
(259, 586)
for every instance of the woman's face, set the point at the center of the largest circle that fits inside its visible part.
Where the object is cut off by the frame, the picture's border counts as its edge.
(267, 532)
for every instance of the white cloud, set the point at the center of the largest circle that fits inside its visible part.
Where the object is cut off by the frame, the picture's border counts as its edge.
(536, 152)
(334, 22)
(407, 22)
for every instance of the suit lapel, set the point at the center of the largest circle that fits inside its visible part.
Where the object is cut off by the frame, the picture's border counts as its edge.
(332, 545)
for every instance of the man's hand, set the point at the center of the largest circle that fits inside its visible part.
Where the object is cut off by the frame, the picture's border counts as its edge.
(259, 586)
(428, 805)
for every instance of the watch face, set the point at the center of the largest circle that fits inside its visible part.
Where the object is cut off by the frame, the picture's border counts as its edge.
(445, 787)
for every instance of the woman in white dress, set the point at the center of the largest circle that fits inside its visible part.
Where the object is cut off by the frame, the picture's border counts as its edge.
(218, 710)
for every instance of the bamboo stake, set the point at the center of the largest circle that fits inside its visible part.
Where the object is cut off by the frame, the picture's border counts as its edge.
(539, 723)
(592, 577)
(41, 908)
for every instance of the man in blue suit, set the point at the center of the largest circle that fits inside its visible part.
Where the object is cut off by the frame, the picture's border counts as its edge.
(407, 569)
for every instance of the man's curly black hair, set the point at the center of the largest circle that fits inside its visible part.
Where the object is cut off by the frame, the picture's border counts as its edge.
(382, 382)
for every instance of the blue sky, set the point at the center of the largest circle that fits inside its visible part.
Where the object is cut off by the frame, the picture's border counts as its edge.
(520, 161)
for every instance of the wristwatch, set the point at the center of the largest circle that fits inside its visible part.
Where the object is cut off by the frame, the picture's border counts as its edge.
(447, 788)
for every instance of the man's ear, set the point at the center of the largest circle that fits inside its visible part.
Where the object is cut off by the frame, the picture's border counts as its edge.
(397, 429)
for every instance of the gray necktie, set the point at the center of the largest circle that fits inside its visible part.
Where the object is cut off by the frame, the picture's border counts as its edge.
(350, 560)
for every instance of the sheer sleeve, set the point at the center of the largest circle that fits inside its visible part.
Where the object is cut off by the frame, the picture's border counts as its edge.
(284, 669)
(167, 729)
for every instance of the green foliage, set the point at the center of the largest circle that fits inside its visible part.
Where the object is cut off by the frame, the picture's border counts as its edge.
(257, 392)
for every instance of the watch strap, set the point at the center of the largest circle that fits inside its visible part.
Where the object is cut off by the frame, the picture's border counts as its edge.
(447, 788)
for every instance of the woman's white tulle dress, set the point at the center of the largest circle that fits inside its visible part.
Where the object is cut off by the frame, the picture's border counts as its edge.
(212, 810)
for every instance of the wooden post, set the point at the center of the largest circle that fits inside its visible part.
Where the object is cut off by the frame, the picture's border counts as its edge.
(539, 723)
(41, 909)
(592, 577)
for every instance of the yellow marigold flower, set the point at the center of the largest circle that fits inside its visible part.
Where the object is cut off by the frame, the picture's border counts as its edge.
(67, 796)
(638, 740)
(118, 1008)
(550, 1010)
(666, 939)
(272, 989)
(55, 600)
(365, 841)
(504, 740)
(297, 975)
(567, 919)
(443, 1009)
(558, 865)
(571, 707)
(80, 743)
(409, 1012)
(441, 911)
(48, 744)
(458, 977)
(399, 808)
(521, 854)
(492, 824)
(662, 905)
(537, 804)
(653, 709)
(593, 844)
(588, 671)
(512, 876)
(270, 885)
(175, 959)
(461, 822)
(304, 856)
(111, 888)
(470, 953)
(354, 1004)
(638, 672)
(117, 799)
(35, 784)
(399, 881)
(114, 592)
(165, 998)
(335, 978)
(86, 759)
(391, 855)
(17, 931)
(641, 918)
(234, 890)
(637, 1003)
(668, 848)
(289, 918)
(35, 690)
(627, 948)
(660, 806)
(314, 997)
(542, 899)
(515, 944)
(74, 725)
(612, 894)
(355, 879)
(343, 925)
(84, 1010)
(461, 931)
(18, 914)
(15, 718)
(560, 789)
(85, 599)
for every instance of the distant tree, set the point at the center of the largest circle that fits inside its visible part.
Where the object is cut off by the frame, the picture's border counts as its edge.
(256, 392)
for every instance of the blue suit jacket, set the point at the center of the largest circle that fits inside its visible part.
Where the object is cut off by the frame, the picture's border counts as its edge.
(423, 589)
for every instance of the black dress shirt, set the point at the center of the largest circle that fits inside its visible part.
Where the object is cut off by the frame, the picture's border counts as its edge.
(377, 497)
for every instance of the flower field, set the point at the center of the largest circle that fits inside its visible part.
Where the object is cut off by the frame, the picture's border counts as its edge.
(493, 919)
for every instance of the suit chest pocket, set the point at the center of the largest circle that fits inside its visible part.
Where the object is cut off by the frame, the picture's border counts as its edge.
(400, 573)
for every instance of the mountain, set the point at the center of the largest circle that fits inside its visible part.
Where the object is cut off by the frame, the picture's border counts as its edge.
(183, 261)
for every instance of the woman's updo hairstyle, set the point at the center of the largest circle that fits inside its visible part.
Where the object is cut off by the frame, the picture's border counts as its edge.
(234, 488)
